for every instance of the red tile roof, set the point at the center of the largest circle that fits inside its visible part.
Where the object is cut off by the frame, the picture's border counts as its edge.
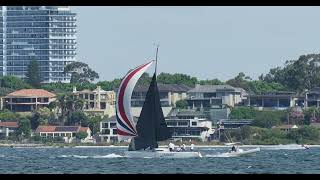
(9, 124)
(61, 129)
(83, 129)
(31, 93)
(45, 128)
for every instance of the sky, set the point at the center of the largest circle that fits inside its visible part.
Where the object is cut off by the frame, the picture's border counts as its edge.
(205, 42)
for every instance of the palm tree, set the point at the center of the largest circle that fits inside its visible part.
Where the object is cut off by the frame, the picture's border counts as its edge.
(67, 104)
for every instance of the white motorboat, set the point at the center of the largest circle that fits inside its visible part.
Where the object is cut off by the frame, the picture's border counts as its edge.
(238, 152)
(161, 153)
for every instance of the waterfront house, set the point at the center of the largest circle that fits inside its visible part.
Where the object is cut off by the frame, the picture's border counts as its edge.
(233, 123)
(97, 101)
(27, 100)
(214, 96)
(169, 94)
(278, 100)
(7, 128)
(108, 130)
(189, 124)
(313, 97)
(68, 133)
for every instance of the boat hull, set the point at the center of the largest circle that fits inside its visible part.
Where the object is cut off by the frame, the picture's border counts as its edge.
(239, 153)
(161, 154)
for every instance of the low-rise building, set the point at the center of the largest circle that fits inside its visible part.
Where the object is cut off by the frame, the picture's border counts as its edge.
(8, 128)
(68, 133)
(214, 96)
(279, 100)
(313, 97)
(97, 101)
(169, 94)
(27, 100)
(233, 123)
(108, 130)
(189, 124)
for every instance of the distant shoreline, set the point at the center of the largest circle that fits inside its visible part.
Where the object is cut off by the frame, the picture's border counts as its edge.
(121, 146)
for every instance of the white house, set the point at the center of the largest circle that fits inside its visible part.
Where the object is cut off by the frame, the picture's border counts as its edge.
(68, 133)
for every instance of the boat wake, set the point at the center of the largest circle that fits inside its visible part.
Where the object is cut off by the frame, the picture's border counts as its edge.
(284, 147)
(218, 155)
(112, 155)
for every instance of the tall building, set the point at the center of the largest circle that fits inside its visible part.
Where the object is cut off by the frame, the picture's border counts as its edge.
(43, 33)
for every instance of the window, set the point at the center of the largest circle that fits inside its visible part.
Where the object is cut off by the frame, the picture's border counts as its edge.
(183, 123)
(106, 131)
(115, 131)
(91, 97)
(102, 105)
(171, 123)
(56, 134)
(104, 125)
(112, 125)
(194, 123)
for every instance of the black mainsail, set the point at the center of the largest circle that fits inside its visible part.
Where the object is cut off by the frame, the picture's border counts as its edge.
(151, 126)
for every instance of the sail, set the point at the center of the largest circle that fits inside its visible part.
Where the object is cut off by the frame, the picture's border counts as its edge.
(151, 126)
(125, 124)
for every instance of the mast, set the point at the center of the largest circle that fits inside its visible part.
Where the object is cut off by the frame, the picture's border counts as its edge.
(155, 70)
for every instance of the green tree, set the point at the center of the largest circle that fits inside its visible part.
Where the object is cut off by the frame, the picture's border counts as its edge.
(211, 82)
(78, 118)
(67, 104)
(40, 117)
(33, 74)
(24, 128)
(242, 113)
(177, 78)
(7, 115)
(261, 87)
(81, 135)
(300, 74)
(109, 85)
(80, 72)
(94, 123)
(181, 104)
(13, 83)
(58, 87)
(268, 119)
(241, 80)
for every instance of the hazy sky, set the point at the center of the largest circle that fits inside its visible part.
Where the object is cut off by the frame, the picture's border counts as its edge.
(206, 42)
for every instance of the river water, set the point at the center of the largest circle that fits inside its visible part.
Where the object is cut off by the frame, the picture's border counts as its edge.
(110, 160)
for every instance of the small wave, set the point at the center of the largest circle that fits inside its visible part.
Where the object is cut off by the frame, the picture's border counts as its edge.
(108, 156)
(96, 156)
(1, 156)
(219, 155)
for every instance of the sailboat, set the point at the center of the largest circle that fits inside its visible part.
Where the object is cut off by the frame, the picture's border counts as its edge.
(150, 127)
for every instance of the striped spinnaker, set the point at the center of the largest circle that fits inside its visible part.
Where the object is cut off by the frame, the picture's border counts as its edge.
(125, 124)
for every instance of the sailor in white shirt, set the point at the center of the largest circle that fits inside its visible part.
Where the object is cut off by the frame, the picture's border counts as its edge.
(184, 148)
(192, 147)
(171, 146)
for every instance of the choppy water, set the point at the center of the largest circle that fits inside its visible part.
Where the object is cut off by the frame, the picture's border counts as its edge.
(111, 160)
